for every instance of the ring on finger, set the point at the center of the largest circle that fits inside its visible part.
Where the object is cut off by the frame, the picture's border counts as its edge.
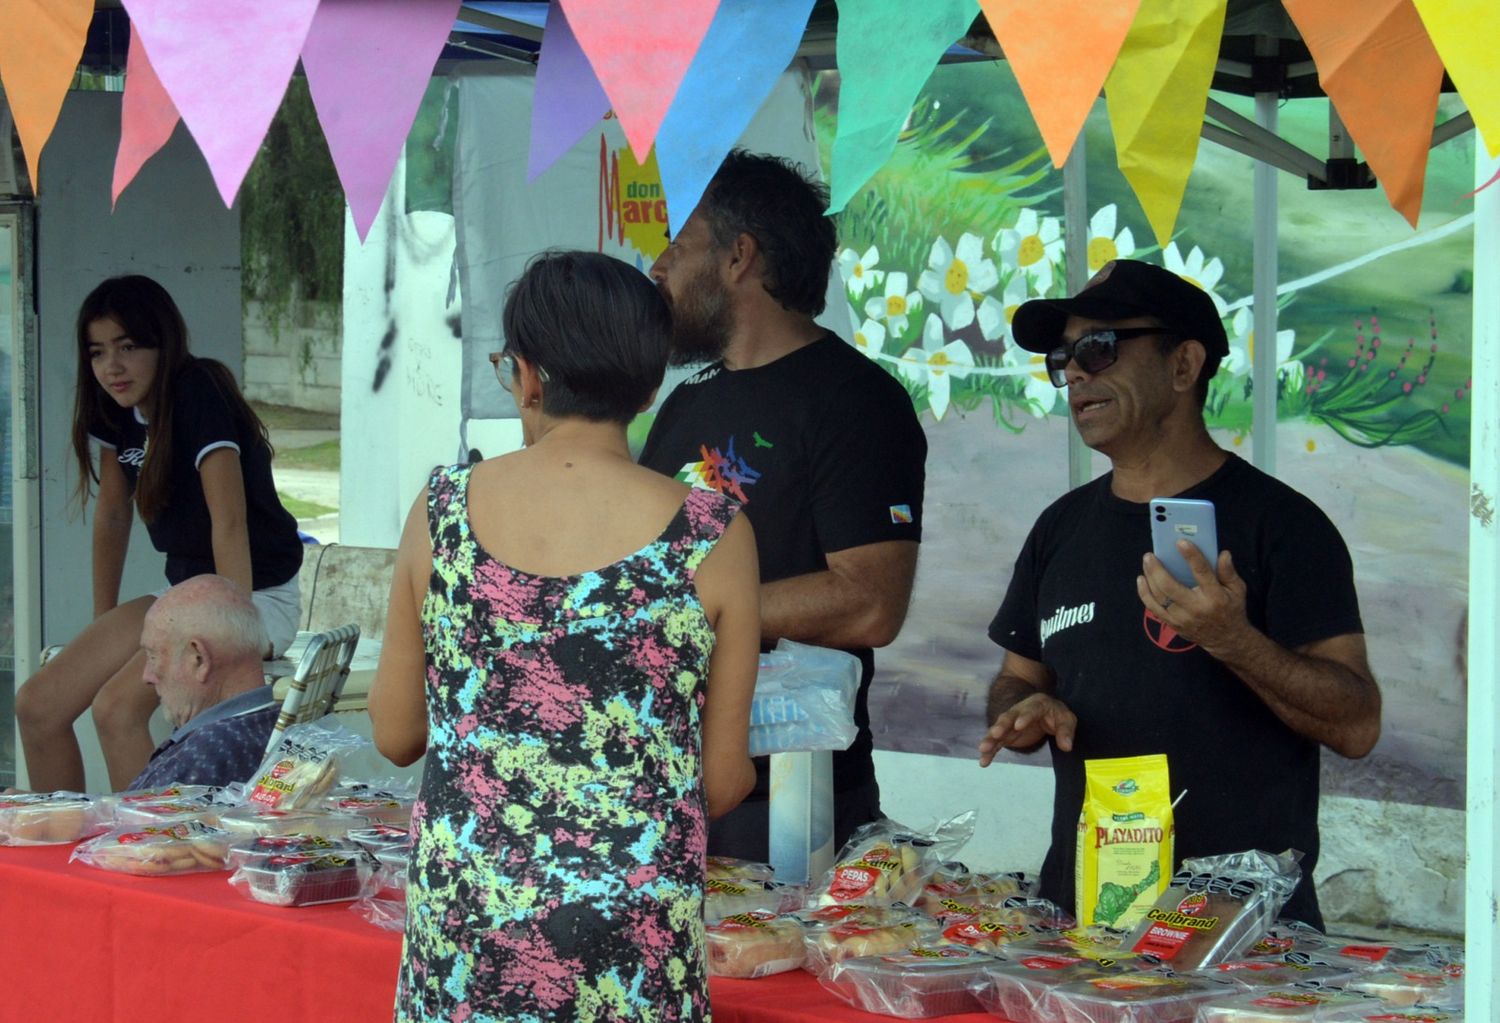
(1166, 603)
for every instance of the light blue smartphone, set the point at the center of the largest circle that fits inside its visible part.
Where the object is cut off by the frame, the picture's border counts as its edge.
(1176, 518)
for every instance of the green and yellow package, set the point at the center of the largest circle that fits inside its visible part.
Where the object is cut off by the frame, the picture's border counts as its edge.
(1124, 839)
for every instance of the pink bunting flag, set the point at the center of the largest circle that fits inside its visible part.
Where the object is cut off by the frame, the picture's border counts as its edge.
(226, 66)
(640, 50)
(368, 63)
(147, 118)
(568, 100)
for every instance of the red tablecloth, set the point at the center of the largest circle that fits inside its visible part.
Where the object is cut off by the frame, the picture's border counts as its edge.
(79, 945)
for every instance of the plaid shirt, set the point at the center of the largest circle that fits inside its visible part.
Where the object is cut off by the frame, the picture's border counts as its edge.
(224, 744)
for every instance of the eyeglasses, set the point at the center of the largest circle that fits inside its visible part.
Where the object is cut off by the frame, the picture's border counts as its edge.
(1094, 352)
(505, 368)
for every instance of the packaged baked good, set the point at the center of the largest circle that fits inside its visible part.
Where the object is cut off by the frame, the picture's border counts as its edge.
(146, 812)
(376, 807)
(726, 897)
(1281, 1005)
(755, 944)
(1263, 972)
(1408, 987)
(1293, 942)
(1125, 837)
(923, 981)
(49, 818)
(1089, 942)
(303, 766)
(1214, 908)
(1015, 989)
(727, 868)
(166, 794)
(380, 836)
(865, 931)
(884, 862)
(251, 850)
(303, 879)
(1143, 996)
(253, 819)
(182, 848)
(1366, 955)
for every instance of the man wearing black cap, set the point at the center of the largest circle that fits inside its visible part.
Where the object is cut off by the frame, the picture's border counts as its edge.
(1239, 679)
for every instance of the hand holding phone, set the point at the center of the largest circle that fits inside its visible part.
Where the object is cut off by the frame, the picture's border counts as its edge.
(1176, 518)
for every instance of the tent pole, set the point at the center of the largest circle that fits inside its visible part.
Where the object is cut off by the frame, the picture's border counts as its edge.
(1076, 252)
(1482, 876)
(1263, 365)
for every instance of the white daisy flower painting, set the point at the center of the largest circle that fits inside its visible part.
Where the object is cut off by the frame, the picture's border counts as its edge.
(859, 270)
(955, 278)
(936, 364)
(1104, 243)
(895, 309)
(1034, 247)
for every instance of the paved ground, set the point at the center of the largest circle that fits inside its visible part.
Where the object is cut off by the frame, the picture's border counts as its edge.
(316, 486)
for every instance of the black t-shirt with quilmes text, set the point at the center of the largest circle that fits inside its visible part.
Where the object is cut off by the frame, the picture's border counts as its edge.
(1137, 688)
(824, 450)
(202, 422)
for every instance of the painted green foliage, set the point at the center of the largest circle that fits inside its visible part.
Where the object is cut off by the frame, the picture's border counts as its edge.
(963, 224)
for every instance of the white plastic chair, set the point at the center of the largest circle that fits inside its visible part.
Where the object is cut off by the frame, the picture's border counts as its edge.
(318, 680)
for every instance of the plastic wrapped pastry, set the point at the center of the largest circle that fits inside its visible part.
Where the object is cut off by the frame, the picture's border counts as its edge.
(927, 980)
(885, 862)
(50, 818)
(1281, 1005)
(1140, 997)
(751, 945)
(304, 879)
(182, 848)
(254, 819)
(1016, 989)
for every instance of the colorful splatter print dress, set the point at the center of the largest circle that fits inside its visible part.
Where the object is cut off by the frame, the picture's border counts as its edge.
(557, 866)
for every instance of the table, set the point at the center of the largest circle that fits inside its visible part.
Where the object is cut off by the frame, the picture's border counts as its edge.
(86, 946)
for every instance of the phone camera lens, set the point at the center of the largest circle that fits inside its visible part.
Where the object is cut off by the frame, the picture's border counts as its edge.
(1161, 518)
(1160, 510)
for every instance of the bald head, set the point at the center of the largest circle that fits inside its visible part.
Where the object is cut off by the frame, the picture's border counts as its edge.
(203, 641)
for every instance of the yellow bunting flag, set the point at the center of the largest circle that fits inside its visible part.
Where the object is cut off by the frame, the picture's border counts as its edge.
(1464, 33)
(1358, 45)
(40, 43)
(1060, 54)
(1157, 94)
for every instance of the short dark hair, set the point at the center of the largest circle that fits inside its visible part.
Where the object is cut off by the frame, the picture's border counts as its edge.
(773, 201)
(596, 326)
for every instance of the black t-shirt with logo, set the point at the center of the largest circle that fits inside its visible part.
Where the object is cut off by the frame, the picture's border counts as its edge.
(1138, 688)
(202, 422)
(824, 450)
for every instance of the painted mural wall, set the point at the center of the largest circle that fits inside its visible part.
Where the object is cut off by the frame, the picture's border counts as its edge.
(1372, 353)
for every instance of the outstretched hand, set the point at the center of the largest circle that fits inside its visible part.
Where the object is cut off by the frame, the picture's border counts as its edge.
(1210, 613)
(1026, 724)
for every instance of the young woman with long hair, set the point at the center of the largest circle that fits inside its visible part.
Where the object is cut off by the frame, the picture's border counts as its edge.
(177, 441)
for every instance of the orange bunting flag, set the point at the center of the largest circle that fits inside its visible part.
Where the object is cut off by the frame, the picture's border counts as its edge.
(1157, 94)
(1382, 75)
(147, 118)
(1464, 33)
(640, 51)
(40, 43)
(1060, 54)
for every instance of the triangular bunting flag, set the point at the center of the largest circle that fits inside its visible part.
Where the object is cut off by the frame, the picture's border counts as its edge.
(1083, 36)
(886, 52)
(640, 49)
(147, 118)
(747, 48)
(1464, 33)
(368, 63)
(226, 66)
(568, 100)
(1157, 94)
(1354, 44)
(40, 43)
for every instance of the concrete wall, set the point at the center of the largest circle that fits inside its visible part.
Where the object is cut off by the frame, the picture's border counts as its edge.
(171, 225)
(297, 362)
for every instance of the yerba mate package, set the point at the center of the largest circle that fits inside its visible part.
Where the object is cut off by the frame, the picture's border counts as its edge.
(1124, 839)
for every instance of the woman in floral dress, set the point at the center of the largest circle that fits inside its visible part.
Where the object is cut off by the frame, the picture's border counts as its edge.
(572, 640)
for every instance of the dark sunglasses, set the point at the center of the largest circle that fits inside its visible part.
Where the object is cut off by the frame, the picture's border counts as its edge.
(1094, 352)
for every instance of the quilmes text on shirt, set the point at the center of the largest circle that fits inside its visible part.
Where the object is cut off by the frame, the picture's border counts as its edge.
(1064, 617)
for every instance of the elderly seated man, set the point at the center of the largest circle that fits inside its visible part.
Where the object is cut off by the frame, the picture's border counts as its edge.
(203, 641)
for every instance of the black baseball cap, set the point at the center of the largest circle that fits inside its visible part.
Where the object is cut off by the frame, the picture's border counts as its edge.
(1124, 289)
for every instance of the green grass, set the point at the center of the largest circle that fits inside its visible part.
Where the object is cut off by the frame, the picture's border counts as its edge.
(304, 509)
(323, 455)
